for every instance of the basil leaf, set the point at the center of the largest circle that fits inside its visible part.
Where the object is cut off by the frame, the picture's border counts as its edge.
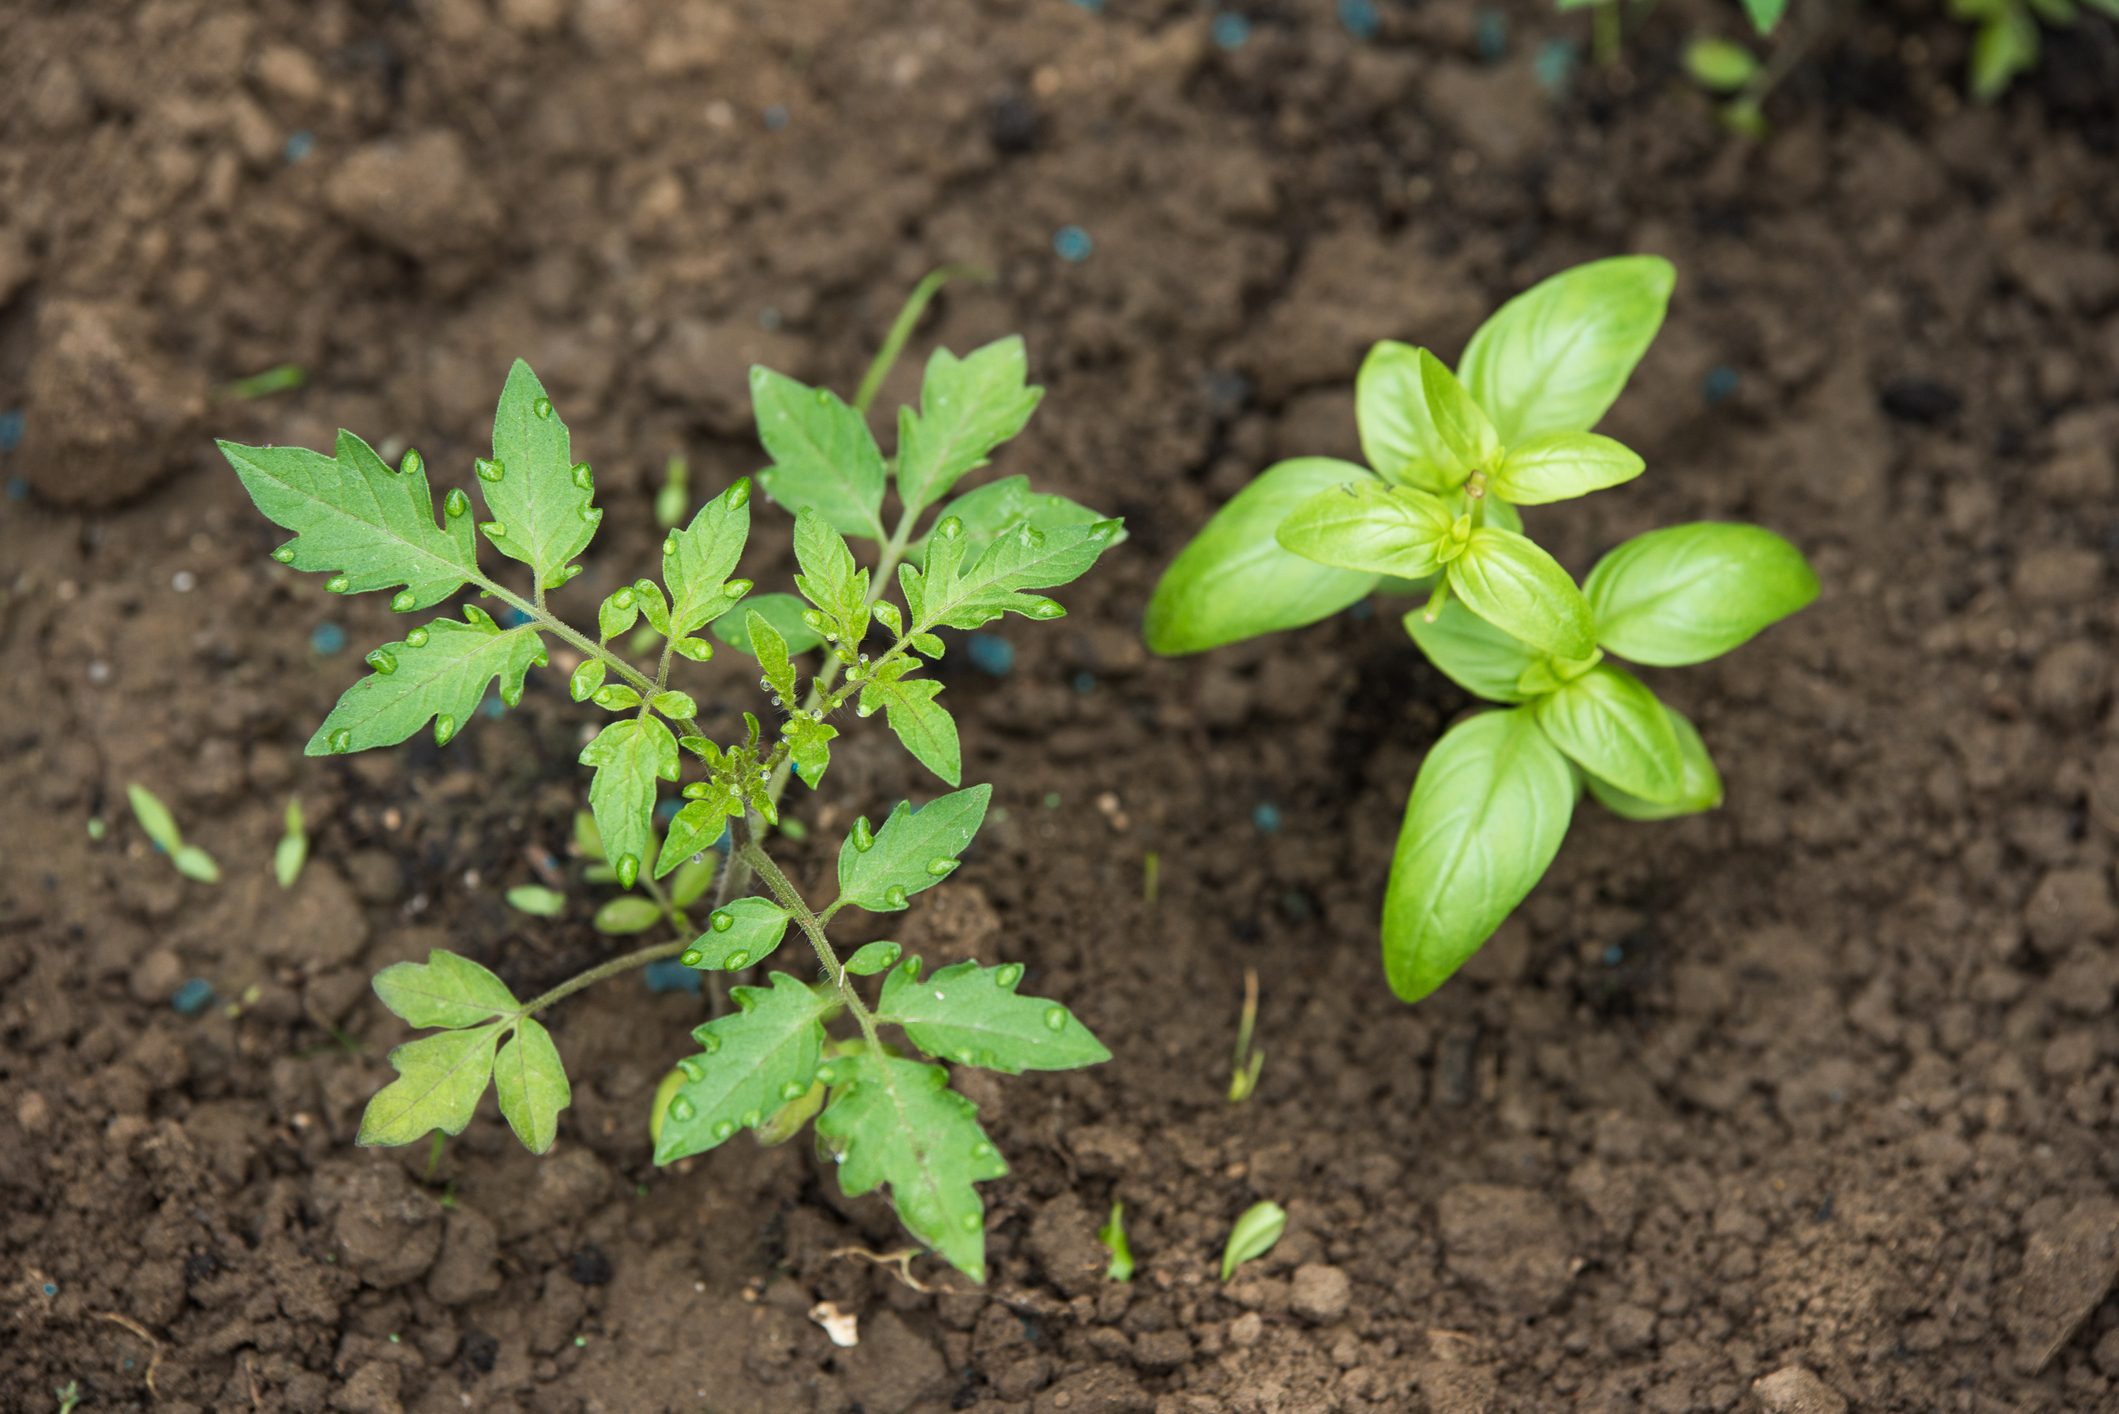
(1514, 585)
(1369, 527)
(1557, 466)
(1700, 785)
(1554, 358)
(1688, 593)
(1486, 817)
(1471, 652)
(1616, 729)
(1235, 581)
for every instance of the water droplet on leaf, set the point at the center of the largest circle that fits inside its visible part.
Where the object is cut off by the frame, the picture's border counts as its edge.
(628, 869)
(456, 502)
(542, 407)
(338, 584)
(710, 1042)
(412, 464)
(444, 728)
(592, 515)
(489, 470)
(723, 1129)
(692, 957)
(341, 740)
(1055, 1018)
(895, 896)
(403, 601)
(383, 661)
(1007, 975)
(681, 1109)
(940, 866)
(584, 478)
(736, 959)
(723, 920)
(792, 1090)
(736, 588)
(739, 494)
(416, 639)
(864, 836)
(285, 554)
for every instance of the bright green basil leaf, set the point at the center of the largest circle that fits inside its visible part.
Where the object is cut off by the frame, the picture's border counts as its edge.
(439, 1081)
(752, 1062)
(739, 934)
(783, 611)
(1234, 581)
(531, 1082)
(445, 990)
(1688, 593)
(1554, 358)
(771, 651)
(897, 1122)
(698, 560)
(540, 500)
(1555, 466)
(921, 723)
(824, 457)
(915, 849)
(1471, 652)
(968, 406)
(1369, 527)
(1486, 817)
(1399, 436)
(629, 757)
(1460, 425)
(972, 1015)
(2005, 46)
(196, 864)
(1719, 66)
(829, 578)
(366, 526)
(1514, 585)
(438, 673)
(1616, 729)
(1700, 784)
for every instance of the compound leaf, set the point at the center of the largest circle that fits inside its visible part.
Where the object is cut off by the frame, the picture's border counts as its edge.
(824, 456)
(1485, 819)
(752, 1062)
(531, 1081)
(1236, 581)
(629, 757)
(973, 1015)
(921, 723)
(357, 520)
(1554, 358)
(1471, 652)
(968, 406)
(445, 990)
(439, 1080)
(1369, 527)
(1000, 505)
(915, 849)
(897, 1122)
(541, 502)
(1613, 727)
(438, 673)
(698, 560)
(1687, 593)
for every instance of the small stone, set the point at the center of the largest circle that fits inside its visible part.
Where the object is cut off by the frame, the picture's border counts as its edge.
(156, 977)
(106, 413)
(2070, 1259)
(2069, 680)
(1792, 1389)
(2070, 906)
(1509, 1243)
(1319, 1293)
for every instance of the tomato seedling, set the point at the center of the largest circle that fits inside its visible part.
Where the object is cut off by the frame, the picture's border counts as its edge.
(773, 1064)
(1450, 457)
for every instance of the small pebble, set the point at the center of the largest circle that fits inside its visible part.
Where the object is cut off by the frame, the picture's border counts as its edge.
(775, 118)
(327, 638)
(183, 581)
(1231, 31)
(1360, 18)
(1266, 816)
(1719, 384)
(1072, 244)
(193, 997)
(669, 975)
(991, 654)
(10, 429)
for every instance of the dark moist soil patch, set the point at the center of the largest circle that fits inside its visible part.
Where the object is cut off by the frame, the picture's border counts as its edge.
(1810, 1103)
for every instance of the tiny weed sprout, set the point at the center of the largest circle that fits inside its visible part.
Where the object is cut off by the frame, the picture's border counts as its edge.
(1450, 458)
(161, 830)
(2006, 39)
(1113, 1235)
(1250, 1059)
(1253, 1236)
(292, 852)
(536, 899)
(958, 560)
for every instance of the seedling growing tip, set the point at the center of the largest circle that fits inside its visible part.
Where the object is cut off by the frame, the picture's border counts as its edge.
(958, 559)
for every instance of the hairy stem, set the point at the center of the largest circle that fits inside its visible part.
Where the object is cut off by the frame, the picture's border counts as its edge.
(901, 329)
(783, 891)
(597, 973)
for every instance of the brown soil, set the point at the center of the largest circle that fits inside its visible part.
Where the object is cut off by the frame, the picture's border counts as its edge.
(1809, 1103)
